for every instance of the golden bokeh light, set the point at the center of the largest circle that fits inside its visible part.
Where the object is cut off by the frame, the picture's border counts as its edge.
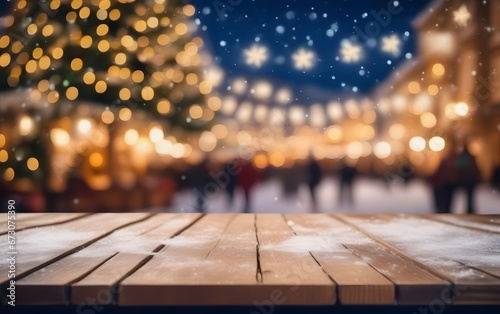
(47, 30)
(413, 87)
(9, 174)
(163, 106)
(107, 117)
(76, 64)
(125, 114)
(208, 141)
(4, 41)
(196, 112)
(37, 53)
(114, 15)
(5, 60)
(31, 66)
(96, 160)
(72, 93)
(433, 89)
(125, 94)
(4, 155)
(260, 161)
(102, 30)
(214, 103)
(131, 137)
(138, 76)
(84, 13)
(101, 87)
(44, 63)
(86, 41)
(181, 29)
(3, 140)
(32, 164)
(103, 45)
(120, 58)
(59, 137)
(57, 53)
(438, 69)
(53, 97)
(89, 78)
(188, 10)
(147, 93)
(428, 120)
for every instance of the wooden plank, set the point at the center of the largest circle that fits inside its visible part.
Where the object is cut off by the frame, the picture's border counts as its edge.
(213, 262)
(50, 285)
(295, 273)
(21, 216)
(414, 285)
(461, 256)
(37, 248)
(357, 282)
(26, 221)
(476, 222)
(100, 286)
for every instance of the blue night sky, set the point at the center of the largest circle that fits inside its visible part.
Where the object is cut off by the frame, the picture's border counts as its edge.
(283, 27)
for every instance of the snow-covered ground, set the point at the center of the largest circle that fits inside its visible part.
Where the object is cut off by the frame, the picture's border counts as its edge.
(370, 196)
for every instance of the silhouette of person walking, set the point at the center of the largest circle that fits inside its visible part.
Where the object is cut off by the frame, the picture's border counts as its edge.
(347, 175)
(246, 179)
(313, 181)
(469, 177)
(203, 178)
(230, 185)
(457, 170)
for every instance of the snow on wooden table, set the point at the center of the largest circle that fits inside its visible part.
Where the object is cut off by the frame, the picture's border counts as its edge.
(145, 259)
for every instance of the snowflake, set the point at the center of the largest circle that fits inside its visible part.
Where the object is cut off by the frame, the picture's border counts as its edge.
(256, 55)
(391, 44)
(303, 59)
(462, 16)
(350, 52)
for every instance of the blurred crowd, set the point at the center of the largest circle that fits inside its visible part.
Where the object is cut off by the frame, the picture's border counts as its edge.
(457, 171)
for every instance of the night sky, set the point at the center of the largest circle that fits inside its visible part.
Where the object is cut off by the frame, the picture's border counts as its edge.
(283, 27)
(320, 27)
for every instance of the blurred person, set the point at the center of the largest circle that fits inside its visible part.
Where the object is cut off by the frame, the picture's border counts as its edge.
(314, 171)
(246, 179)
(495, 179)
(347, 174)
(202, 174)
(469, 176)
(444, 181)
(230, 185)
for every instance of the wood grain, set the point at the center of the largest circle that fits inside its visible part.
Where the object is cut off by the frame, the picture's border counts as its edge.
(100, 286)
(26, 221)
(472, 283)
(475, 222)
(358, 283)
(51, 284)
(292, 271)
(264, 260)
(37, 248)
(213, 262)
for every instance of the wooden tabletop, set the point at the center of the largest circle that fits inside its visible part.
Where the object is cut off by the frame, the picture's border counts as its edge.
(147, 259)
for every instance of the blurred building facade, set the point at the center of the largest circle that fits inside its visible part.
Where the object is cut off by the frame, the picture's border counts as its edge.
(451, 92)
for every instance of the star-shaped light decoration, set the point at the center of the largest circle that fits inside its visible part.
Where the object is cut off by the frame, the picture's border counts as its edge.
(391, 44)
(256, 55)
(461, 16)
(303, 59)
(350, 52)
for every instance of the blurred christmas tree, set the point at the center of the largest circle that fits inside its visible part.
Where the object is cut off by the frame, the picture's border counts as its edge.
(134, 54)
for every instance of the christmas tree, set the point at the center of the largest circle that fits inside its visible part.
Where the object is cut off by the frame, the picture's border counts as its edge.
(133, 55)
